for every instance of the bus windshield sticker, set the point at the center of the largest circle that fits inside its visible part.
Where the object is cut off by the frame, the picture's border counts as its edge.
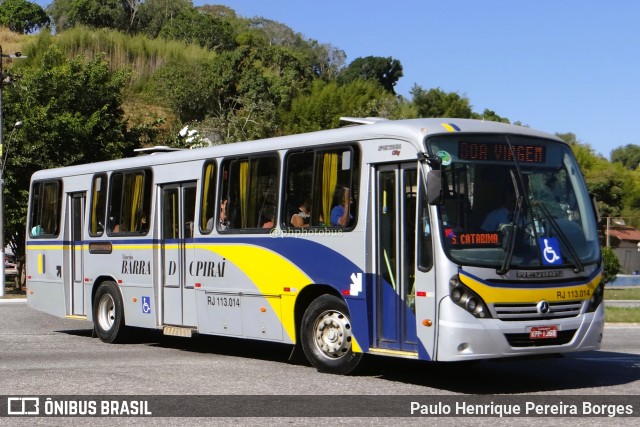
(550, 250)
(474, 239)
(445, 157)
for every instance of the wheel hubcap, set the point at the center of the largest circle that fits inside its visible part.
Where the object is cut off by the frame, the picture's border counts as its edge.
(106, 312)
(333, 334)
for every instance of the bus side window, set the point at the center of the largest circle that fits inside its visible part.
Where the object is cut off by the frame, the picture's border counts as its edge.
(315, 183)
(336, 187)
(297, 192)
(249, 192)
(45, 209)
(98, 205)
(129, 202)
(208, 201)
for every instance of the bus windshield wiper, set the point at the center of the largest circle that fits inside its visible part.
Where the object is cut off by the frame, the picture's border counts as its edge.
(518, 185)
(577, 264)
(511, 243)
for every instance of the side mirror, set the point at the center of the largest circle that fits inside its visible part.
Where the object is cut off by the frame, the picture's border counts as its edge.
(434, 187)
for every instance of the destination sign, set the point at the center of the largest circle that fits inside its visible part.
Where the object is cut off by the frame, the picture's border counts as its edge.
(499, 152)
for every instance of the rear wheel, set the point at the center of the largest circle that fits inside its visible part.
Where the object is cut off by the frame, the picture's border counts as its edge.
(108, 313)
(327, 336)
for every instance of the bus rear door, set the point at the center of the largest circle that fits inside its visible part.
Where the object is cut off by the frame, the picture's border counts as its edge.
(178, 203)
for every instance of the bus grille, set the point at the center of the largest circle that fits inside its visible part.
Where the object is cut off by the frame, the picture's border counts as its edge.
(523, 340)
(557, 310)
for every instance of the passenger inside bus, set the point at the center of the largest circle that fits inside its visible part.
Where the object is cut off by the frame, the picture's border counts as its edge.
(114, 225)
(500, 215)
(340, 214)
(303, 217)
(222, 219)
(269, 215)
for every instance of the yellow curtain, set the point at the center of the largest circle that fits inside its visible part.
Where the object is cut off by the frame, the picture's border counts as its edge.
(329, 181)
(244, 181)
(206, 199)
(136, 201)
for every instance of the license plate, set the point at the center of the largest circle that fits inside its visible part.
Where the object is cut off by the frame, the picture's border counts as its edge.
(543, 332)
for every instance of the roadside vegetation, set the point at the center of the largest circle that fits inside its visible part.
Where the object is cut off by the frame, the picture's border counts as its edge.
(622, 315)
(622, 294)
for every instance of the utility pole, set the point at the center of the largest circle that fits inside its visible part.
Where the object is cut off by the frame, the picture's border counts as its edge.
(4, 79)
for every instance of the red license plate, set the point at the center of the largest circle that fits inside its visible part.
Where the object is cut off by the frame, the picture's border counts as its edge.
(543, 332)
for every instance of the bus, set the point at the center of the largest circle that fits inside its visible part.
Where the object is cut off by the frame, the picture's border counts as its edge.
(429, 239)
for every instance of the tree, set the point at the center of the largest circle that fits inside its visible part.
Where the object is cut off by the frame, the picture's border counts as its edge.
(327, 61)
(438, 103)
(154, 14)
(327, 102)
(22, 16)
(386, 71)
(72, 113)
(132, 7)
(91, 13)
(629, 156)
(187, 87)
(491, 116)
(611, 265)
(199, 28)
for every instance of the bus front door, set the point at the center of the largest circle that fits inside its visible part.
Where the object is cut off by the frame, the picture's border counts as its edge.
(396, 198)
(178, 203)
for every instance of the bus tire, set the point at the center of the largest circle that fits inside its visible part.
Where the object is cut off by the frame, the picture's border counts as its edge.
(327, 336)
(108, 313)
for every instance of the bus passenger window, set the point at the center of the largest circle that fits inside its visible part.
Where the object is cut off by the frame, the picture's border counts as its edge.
(98, 205)
(207, 205)
(129, 201)
(321, 187)
(46, 200)
(250, 190)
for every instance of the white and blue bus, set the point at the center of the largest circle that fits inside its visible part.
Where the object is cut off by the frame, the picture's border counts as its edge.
(431, 239)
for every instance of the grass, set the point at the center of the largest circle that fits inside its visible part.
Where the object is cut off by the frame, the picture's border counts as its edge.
(622, 315)
(617, 294)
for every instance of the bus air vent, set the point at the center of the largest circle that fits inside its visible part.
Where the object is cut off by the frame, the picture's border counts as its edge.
(529, 311)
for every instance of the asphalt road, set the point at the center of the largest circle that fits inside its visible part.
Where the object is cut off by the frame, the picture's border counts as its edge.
(44, 355)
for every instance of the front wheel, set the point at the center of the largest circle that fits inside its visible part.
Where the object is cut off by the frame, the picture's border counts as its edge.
(108, 313)
(327, 336)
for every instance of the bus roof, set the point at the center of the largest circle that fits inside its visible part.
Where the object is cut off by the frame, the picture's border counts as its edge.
(366, 128)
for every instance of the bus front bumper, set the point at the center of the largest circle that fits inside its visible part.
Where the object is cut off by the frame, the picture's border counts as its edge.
(464, 337)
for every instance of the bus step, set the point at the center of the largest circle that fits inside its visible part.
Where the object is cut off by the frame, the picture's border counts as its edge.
(177, 331)
(396, 353)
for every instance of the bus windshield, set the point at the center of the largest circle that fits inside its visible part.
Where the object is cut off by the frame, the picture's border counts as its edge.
(513, 202)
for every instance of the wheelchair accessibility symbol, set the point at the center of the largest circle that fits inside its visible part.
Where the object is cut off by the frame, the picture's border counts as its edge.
(146, 305)
(550, 249)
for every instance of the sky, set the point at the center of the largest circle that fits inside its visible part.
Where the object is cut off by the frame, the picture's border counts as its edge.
(555, 65)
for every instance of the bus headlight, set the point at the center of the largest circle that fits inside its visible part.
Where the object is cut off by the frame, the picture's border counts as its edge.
(596, 298)
(467, 299)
